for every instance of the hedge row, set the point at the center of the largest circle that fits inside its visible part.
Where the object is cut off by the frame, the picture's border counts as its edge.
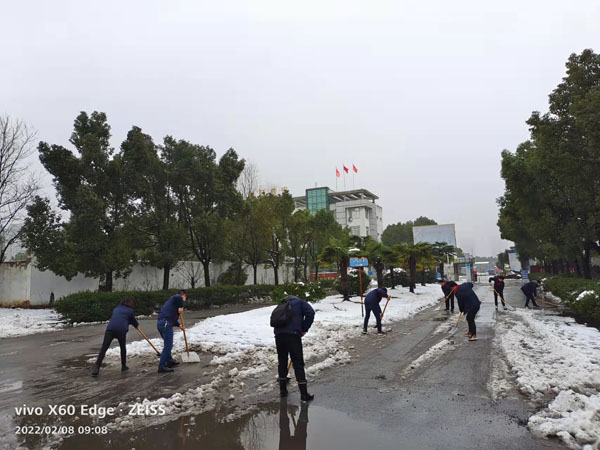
(584, 308)
(97, 306)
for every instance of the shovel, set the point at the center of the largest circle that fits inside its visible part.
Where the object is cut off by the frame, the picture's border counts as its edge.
(149, 342)
(187, 357)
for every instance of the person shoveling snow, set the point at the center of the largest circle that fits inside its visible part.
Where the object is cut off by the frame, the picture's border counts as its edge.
(167, 319)
(118, 325)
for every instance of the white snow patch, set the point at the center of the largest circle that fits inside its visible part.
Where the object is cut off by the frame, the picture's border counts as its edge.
(433, 353)
(21, 322)
(554, 357)
(584, 294)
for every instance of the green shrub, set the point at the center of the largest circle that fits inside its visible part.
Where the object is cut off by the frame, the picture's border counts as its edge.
(97, 306)
(584, 308)
(307, 291)
(354, 283)
(400, 278)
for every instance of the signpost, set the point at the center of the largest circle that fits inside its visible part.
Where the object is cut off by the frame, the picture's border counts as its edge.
(360, 262)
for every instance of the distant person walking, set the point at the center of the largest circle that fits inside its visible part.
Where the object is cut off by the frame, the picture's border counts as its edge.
(372, 305)
(468, 303)
(118, 325)
(168, 317)
(288, 340)
(530, 291)
(448, 290)
(498, 289)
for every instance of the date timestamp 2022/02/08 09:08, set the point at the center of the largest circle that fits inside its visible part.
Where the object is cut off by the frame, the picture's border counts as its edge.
(92, 411)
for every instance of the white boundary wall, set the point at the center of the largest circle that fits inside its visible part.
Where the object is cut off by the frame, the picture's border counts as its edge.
(22, 282)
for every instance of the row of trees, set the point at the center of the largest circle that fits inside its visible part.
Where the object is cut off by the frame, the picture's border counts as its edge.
(411, 257)
(551, 204)
(162, 203)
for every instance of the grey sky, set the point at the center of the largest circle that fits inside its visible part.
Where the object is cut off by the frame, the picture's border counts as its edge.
(421, 96)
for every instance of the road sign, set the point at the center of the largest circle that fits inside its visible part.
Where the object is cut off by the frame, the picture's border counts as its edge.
(359, 262)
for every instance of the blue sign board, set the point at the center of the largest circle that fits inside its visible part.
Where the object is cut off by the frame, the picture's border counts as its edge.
(359, 262)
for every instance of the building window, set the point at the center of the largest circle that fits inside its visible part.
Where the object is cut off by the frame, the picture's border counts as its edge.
(355, 231)
(317, 199)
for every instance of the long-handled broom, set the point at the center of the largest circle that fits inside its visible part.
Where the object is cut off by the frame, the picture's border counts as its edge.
(188, 357)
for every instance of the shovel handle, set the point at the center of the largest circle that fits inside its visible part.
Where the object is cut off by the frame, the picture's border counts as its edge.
(149, 342)
(459, 317)
(289, 365)
(384, 308)
(187, 350)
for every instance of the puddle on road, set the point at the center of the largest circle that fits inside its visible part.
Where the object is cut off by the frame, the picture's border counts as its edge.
(274, 426)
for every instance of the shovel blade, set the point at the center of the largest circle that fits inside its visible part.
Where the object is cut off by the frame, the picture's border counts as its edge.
(191, 358)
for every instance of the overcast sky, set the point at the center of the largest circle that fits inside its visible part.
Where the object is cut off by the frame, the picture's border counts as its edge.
(421, 96)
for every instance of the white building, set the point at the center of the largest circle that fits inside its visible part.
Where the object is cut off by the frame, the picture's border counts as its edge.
(355, 209)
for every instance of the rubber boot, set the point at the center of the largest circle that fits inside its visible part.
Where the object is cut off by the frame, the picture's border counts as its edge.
(283, 392)
(304, 395)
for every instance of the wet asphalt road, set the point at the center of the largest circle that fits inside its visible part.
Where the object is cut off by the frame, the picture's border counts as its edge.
(376, 402)
(442, 405)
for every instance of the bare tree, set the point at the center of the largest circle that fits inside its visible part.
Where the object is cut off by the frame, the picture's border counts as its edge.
(18, 185)
(248, 181)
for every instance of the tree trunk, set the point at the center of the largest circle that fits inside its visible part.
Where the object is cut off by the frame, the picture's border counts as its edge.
(193, 281)
(166, 274)
(206, 267)
(344, 274)
(442, 270)
(306, 280)
(392, 281)
(412, 264)
(108, 285)
(317, 271)
(296, 270)
(423, 277)
(276, 274)
(379, 269)
(577, 267)
(254, 268)
(585, 260)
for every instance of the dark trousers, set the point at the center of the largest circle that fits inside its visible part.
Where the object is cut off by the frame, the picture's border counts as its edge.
(496, 292)
(166, 332)
(376, 309)
(108, 337)
(448, 300)
(290, 344)
(529, 297)
(471, 319)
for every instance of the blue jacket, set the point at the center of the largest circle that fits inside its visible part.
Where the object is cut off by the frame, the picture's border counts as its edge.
(170, 310)
(530, 288)
(122, 317)
(375, 296)
(498, 283)
(466, 297)
(302, 318)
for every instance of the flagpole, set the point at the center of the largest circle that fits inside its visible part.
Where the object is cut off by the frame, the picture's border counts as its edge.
(336, 177)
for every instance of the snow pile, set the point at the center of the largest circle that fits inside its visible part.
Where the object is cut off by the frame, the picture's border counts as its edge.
(584, 294)
(21, 322)
(553, 357)
(575, 418)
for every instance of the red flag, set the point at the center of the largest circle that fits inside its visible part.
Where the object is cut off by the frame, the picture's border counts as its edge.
(354, 168)
(345, 169)
(337, 172)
